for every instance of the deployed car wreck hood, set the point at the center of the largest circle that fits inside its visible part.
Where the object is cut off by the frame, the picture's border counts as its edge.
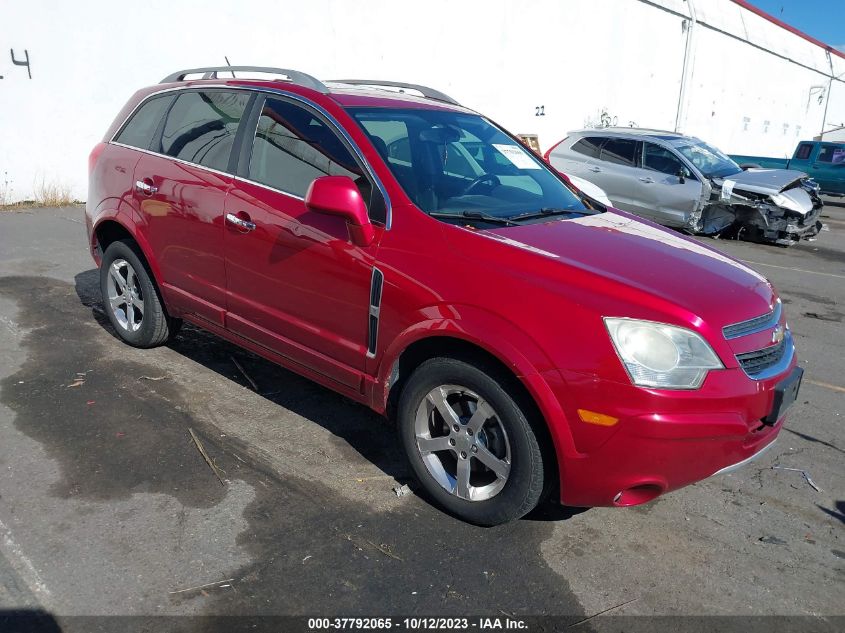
(779, 206)
(765, 181)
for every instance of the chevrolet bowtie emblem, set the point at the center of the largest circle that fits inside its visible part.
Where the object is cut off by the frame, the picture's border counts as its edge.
(777, 334)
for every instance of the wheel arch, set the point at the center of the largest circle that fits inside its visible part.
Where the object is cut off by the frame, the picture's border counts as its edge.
(110, 228)
(509, 361)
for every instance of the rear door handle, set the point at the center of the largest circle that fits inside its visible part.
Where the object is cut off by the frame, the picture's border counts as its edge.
(594, 169)
(241, 223)
(145, 187)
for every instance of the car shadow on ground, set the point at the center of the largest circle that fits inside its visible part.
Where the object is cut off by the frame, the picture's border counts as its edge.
(347, 420)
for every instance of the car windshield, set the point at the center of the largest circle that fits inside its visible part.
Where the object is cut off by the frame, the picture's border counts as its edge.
(460, 164)
(710, 161)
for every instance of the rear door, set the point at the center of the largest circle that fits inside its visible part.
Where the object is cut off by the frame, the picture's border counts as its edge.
(616, 172)
(181, 190)
(661, 194)
(579, 158)
(296, 284)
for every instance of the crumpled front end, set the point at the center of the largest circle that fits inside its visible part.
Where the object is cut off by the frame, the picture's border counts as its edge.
(759, 213)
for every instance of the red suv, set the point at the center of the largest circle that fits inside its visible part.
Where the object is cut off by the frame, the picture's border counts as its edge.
(412, 255)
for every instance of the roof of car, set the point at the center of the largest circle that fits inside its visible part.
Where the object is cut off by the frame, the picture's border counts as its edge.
(631, 131)
(346, 92)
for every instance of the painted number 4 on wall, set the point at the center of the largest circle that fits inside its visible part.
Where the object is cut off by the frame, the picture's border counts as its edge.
(22, 61)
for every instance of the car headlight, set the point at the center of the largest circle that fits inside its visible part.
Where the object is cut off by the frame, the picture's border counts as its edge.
(660, 355)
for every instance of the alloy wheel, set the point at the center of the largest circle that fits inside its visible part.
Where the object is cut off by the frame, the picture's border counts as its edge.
(125, 297)
(463, 443)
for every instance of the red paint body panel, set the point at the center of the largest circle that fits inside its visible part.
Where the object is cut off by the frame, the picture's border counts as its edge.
(296, 289)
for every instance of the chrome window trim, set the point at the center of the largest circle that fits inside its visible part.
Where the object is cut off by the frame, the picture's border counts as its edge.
(273, 91)
(779, 367)
(772, 320)
(209, 169)
(173, 158)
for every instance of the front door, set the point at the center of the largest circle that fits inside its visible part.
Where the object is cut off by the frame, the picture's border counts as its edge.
(661, 194)
(295, 282)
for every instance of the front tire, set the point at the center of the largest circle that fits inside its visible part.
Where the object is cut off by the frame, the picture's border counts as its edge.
(469, 444)
(131, 299)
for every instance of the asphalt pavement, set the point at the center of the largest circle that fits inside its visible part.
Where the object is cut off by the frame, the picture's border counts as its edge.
(108, 508)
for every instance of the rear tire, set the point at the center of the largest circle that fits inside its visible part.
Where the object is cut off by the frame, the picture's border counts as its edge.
(469, 444)
(131, 299)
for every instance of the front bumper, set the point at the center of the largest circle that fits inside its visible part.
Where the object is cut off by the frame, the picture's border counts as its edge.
(663, 440)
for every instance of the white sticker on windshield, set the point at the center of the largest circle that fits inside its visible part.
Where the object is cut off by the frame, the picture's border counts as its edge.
(517, 156)
(727, 190)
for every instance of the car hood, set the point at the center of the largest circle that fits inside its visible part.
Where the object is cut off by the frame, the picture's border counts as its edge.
(656, 261)
(764, 181)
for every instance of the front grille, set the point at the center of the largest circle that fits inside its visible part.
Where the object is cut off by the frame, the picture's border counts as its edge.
(756, 324)
(755, 363)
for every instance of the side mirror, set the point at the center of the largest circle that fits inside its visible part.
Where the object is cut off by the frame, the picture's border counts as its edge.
(338, 195)
(682, 175)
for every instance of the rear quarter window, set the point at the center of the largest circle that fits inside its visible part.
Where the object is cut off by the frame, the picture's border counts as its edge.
(588, 146)
(138, 131)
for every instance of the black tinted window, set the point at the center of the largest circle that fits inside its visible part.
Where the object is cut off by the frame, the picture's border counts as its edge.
(621, 151)
(831, 154)
(588, 146)
(803, 152)
(661, 159)
(139, 130)
(201, 126)
(293, 147)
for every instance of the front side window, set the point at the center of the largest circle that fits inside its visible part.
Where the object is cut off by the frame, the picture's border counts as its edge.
(455, 163)
(831, 154)
(620, 151)
(200, 127)
(293, 147)
(661, 159)
(140, 129)
(710, 161)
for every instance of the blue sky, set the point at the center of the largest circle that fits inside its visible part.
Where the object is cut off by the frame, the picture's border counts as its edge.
(823, 19)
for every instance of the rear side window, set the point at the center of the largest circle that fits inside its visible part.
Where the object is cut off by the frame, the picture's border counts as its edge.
(200, 127)
(588, 146)
(139, 130)
(803, 151)
(620, 151)
(293, 147)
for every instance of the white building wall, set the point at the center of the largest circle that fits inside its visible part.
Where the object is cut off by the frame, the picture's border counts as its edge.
(579, 59)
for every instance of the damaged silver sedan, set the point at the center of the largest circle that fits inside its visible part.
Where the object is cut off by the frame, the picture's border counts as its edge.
(683, 182)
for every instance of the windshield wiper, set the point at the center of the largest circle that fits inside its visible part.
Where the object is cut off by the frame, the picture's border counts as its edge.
(473, 215)
(549, 211)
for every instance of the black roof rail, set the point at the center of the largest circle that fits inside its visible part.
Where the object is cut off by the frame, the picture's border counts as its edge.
(210, 72)
(425, 91)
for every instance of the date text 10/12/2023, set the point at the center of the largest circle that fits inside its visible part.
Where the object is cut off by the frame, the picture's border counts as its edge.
(417, 624)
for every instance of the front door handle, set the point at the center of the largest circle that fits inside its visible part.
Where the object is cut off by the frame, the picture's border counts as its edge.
(241, 223)
(647, 179)
(147, 188)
